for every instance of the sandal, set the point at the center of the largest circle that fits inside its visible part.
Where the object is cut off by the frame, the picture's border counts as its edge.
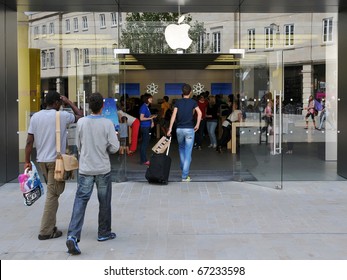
(131, 153)
(55, 234)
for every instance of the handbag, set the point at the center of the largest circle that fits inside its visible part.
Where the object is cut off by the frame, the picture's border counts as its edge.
(64, 164)
(30, 185)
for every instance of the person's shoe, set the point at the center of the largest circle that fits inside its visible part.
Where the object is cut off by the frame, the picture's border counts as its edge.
(219, 149)
(71, 244)
(55, 234)
(147, 163)
(188, 179)
(210, 146)
(214, 146)
(111, 235)
(199, 148)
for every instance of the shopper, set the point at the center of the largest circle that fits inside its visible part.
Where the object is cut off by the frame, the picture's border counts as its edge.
(42, 130)
(183, 114)
(147, 123)
(96, 139)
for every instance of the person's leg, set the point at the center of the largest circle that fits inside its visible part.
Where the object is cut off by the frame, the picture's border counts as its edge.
(104, 187)
(213, 137)
(54, 190)
(144, 144)
(188, 148)
(134, 135)
(181, 144)
(84, 191)
(209, 131)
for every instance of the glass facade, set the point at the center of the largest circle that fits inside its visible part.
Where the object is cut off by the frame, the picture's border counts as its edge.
(271, 62)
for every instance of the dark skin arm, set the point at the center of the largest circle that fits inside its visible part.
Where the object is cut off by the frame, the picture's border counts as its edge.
(28, 148)
(78, 113)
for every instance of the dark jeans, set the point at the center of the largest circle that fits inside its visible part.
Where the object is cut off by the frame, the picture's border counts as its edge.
(144, 144)
(226, 136)
(84, 191)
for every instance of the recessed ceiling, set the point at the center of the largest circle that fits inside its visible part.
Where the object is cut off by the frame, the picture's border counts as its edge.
(186, 6)
(183, 61)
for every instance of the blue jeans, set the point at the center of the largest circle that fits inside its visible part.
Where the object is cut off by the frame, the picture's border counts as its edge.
(211, 128)
(185, 139)
(84, 191)
(144, 144)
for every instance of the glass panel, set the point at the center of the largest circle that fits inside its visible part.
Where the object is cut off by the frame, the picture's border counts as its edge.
(292, 56)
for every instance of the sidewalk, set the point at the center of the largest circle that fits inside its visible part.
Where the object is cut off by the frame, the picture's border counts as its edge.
(190, 221)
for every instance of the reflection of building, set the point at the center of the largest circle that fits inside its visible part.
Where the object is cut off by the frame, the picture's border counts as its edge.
(79, 46)
(75, 48)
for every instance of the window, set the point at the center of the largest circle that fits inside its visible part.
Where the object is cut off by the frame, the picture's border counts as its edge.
(104, 55)
(86, 56)
(102, 21)
(251, 39)
(44, 30)
(51, 59)
(68, 58)
(327, 30)
(201, 43)
(51, 28)
(289, 35)
(77, 56)
(36, 32)
(113, 19)
(269, 38)
(75, 24)
(67, 26)
(44, 59)
(216, 39)
(85, 23)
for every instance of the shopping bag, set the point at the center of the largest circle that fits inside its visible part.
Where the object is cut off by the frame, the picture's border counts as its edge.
(161, 146)
(30, 185)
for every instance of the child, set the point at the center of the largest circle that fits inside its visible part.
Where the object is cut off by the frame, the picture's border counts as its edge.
(123, 136)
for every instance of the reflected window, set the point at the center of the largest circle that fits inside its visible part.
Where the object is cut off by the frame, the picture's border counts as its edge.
(51, 28)
(67, 26)
(36, 32)
(289, 35)
(85, 23)
(201, 43)
(44, 30)
(216, 41)
(102, 21)
(86, 60)
(113, 19)
(51, 59)
(269, 37)
(68, 58)
(251, 39)
(75, 24)
(327, 30)
(44, 59)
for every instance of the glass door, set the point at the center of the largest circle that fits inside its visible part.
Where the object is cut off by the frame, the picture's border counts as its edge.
(257, 138)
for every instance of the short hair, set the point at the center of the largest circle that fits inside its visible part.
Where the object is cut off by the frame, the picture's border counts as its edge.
(51, 97)
(166, 98)
(96, 101)
(186, 89)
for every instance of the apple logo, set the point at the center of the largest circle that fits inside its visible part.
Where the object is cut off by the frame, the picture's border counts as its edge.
(176, 35)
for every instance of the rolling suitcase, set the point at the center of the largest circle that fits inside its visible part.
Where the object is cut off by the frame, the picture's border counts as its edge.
(159, 169)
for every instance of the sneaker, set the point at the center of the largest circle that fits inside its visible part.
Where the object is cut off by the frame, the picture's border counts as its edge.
(188, 179)
(214, 146)
(210, 146)
(111, 235)
(71, 244)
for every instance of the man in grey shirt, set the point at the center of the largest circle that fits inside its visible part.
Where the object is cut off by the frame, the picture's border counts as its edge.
(42, 130)
(96, 139)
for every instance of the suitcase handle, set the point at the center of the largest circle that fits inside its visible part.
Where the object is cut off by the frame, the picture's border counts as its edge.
(168, 148)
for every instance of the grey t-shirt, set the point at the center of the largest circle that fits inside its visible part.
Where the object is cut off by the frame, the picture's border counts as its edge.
(96, 139)
(42, 126)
